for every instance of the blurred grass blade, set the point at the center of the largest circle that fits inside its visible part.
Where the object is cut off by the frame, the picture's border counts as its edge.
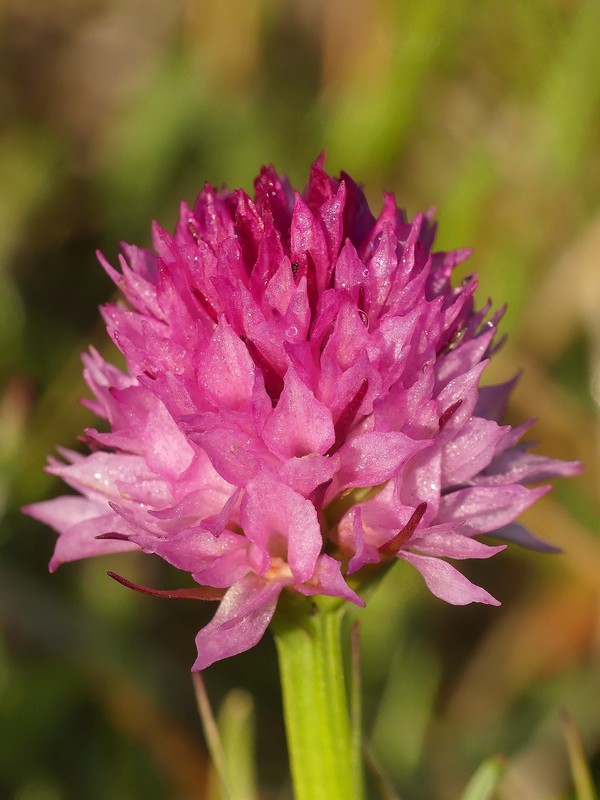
(213, 737)
(384, 787)
(399, 738)
(485, 781)
(580, 770)
(356, 700)
(236, 722)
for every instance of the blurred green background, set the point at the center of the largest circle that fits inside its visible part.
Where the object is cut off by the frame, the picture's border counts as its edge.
(111, 112)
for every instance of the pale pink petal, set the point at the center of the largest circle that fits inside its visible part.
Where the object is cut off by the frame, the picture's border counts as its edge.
(104, 476)
(208, 506)
(142, 425)
(463, 389)
(470, 450)
(82, 539)
(516, 466)
(240, 620)
(197, 551)
(235, 452)
(450, 544)
(446, 582)
(484, 508)
(79, 522)
(63, 512)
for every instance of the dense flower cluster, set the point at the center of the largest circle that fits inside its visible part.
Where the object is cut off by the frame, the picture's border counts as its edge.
(301, 402)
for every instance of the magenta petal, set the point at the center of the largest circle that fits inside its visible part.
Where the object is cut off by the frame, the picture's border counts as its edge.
(79, 522)
(235, 453)
(516, 466)
(240, 621)
(282, 523)
(102, 476)
(211, 561)
(373, 458)
(328, 579)
(446, 582)
(463, 388)
(307, 473)
(470, 450)
(143, 425)
(353, 541)
(299, 424)
(307, 238)
(226, 371)
(63, 512)
(484, 508)
(493, 400)
(168, 451)
(450, 544)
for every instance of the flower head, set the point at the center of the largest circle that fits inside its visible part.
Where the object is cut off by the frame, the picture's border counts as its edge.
(302, 402)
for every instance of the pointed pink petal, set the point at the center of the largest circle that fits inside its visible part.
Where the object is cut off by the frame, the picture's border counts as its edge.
(233, 447)
(373, 458)
(349, 337)
(331, 214)
(226, 371)
(82, 540)
(306, 473)
(299, 424)
(451, 544)
(516, 466)
(485, 508)
(210, 506)
(63, 512)
(381, 266)
(446, 582)
(328, 579)
(103, 476)
(463, 388)
(282, 524)
(240, 620)
(471, 450)
(307, 237)
(353, 539)
(464, 357)
(79, 522)
(142, 425)
(493, 400)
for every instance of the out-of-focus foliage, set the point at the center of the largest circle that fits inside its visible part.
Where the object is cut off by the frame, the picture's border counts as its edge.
(113, 110)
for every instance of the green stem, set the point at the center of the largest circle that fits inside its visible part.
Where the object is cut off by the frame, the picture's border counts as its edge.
(324, 760)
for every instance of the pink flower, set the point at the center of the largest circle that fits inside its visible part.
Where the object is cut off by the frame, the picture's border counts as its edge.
(301, 401)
